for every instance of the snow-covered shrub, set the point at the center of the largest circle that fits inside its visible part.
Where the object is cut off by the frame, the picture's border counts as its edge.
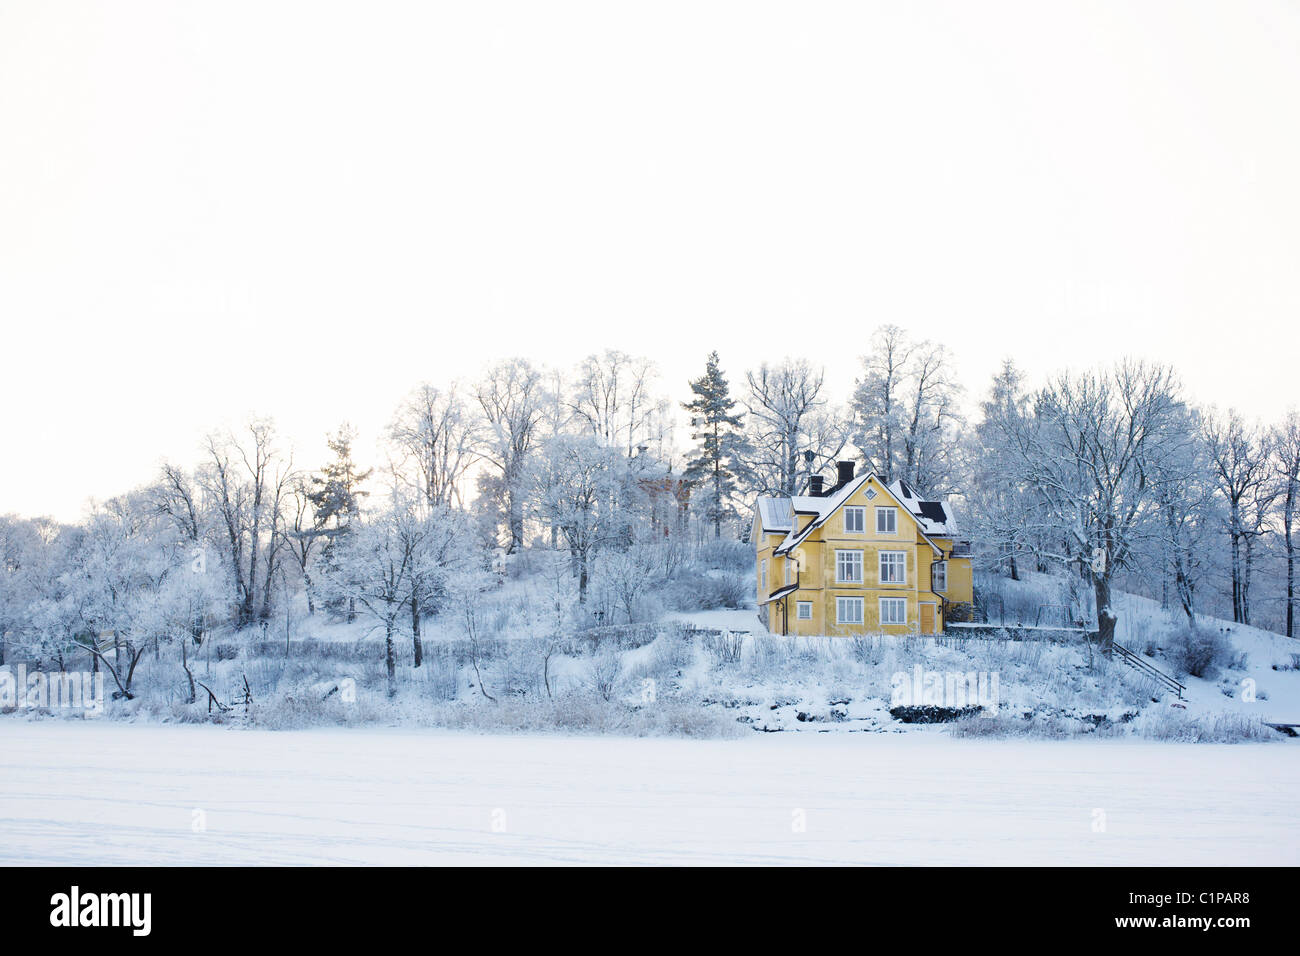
(1198, 650)
(1175, 724)
(724, 647)
(603, 671)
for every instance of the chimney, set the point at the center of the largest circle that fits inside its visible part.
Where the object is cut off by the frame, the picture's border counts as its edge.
(815, 486)
(845, 473)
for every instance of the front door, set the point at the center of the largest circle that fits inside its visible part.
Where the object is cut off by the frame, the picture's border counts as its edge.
(927, 618)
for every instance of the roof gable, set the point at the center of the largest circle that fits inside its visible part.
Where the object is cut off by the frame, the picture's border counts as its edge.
(823, 508)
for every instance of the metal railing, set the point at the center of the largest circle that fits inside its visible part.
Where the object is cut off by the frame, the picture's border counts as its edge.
(1149, 670)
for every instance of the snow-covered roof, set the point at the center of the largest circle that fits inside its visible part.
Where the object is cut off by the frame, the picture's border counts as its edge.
(774, 514)
(934, 517)
(823, 508)
(779, 593)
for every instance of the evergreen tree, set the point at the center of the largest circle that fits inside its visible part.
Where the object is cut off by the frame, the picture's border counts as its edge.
(717, 430)
(336, 491)
(336, 495)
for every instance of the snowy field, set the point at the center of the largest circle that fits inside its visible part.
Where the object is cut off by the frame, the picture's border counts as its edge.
(86, 793)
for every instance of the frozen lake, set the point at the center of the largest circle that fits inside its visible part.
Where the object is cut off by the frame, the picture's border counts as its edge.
(84, 793)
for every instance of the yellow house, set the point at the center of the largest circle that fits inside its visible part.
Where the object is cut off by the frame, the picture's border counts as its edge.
(859, 557)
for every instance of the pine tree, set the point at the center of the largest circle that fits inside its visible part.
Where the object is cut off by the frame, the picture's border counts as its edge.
(336, 495)
(717, 430)
(336, 492)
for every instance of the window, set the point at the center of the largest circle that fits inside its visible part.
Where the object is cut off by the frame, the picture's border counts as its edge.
(848, 567)
(848, 610)
(893, 567)
(790, 567)
(893, 610)
(871, 493)
(939, 576)
(886, 521)
(855, 520)
(762, 577)
(803, 610)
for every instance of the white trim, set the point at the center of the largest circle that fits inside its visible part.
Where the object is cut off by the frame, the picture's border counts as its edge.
(800, 607)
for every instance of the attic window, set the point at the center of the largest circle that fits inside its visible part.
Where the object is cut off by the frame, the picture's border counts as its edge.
(886, 521)
(871, 493)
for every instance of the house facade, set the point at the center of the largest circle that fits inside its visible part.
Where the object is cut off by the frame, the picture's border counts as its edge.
(859, 557)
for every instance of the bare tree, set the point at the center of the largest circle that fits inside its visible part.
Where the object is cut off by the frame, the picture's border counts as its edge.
(247, 482)
(612, 398)
(512, 399)
(905, 410)
(1286, 460)
(1239, 458)
(575, 485)
(787, 416)
(1085, 452)
(435, 435)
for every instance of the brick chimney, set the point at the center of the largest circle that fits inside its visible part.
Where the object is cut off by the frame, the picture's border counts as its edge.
(815, 486)
(845, 473)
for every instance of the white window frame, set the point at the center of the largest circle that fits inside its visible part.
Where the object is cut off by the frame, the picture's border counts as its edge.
(881, 511)
(803, 610)
(892, 602)
(939, 577)
(861, 513)
(790, 567)
(880, 567)
(842, 602)
(762, 577)
(839, 566)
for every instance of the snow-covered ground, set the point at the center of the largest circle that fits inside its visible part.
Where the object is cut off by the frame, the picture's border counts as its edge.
(85, 793)
(1270, 663)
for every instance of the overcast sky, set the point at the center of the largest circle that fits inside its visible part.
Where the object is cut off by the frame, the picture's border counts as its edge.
(304, 209)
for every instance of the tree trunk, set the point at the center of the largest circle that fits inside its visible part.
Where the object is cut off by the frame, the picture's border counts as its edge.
(416, 647)
(582, 578)
(1245, 580)
(389, 661)
(185, 663)
(1105, 616)
(1291, 583)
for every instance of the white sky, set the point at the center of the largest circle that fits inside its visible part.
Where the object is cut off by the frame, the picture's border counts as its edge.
(304, 209)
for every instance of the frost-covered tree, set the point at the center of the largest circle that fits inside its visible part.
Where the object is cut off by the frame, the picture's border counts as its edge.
(1085, 451)
(789, 419)
(1002, 510)
(612, 398)
(577, 482)
(1239, 456)
(246, 481)
(1286, 463)
(439, 540)
(434, 434)
(1182, 485)
(716, 427)
(371, 570)
(513, 400)
(905, 410)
